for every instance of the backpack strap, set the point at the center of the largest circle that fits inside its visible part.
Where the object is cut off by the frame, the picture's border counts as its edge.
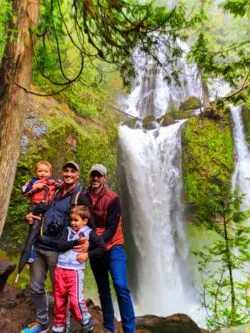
(74, 200)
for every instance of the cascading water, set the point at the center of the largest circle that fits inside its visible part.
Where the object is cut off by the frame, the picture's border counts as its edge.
(151, 177)
(241, 176)
(151, 95)
(151, 170)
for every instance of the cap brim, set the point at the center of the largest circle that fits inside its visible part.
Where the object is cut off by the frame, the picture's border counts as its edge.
(72, 165)
(99, 171)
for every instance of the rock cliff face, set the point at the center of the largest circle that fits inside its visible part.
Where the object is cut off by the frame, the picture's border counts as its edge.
(16, 311)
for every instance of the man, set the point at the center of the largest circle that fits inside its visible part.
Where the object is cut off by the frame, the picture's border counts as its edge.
(55, 220)
(105, 207)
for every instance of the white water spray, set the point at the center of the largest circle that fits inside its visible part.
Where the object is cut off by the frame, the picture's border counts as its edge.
(241, 176)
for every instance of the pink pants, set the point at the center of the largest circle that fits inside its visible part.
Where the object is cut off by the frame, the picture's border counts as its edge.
(68, 288)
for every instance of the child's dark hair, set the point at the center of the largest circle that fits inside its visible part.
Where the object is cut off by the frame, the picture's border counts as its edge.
(82, 211)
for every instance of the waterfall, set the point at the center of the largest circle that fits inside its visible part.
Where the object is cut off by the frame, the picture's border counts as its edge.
(151, 184)
(151, 94)
(151, 170)
(241, 176)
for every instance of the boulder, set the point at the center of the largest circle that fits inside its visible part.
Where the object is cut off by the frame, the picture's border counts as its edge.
(149, 123)
(176, 323)
(167, 120)
(191, 103)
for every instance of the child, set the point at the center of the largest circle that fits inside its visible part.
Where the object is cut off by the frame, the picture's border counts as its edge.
(69, 273)
(40, 190)
(35, 188)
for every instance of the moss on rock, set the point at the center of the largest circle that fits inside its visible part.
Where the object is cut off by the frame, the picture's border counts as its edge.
(207, 161)
(246, 121)
(147, 122)
(166, 120)
(190, 104)
(181, 114)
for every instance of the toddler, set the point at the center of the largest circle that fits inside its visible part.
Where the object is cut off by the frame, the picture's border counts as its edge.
(40, 190)
(41, 187)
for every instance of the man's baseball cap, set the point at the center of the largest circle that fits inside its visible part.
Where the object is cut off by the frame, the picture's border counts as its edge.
(99, 168)
(71, 164)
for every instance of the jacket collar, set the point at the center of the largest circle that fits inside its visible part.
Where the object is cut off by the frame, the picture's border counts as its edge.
(100, 195)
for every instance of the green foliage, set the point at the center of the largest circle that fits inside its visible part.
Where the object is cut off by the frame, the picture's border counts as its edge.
(220, 44)
(207, 161)
(5, 15)
(223, 265)
(107, 33)
(237, 7)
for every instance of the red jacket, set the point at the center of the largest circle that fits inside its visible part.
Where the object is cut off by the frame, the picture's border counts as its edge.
(106, 211)
(37, 195)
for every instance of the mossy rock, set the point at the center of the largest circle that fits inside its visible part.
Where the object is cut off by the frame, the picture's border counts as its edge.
(191, 103)
(246, 122)
(181, 114)
(148, 122)
(130, 122)
(167, 120)
(207, 161)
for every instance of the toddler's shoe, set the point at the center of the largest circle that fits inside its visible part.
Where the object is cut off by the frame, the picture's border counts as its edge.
(35, 328)
(59, 329)
(88, 327)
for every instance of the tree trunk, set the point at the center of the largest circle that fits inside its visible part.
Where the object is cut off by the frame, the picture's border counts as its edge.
(205, 91)
(205, 95)
(15, 71)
